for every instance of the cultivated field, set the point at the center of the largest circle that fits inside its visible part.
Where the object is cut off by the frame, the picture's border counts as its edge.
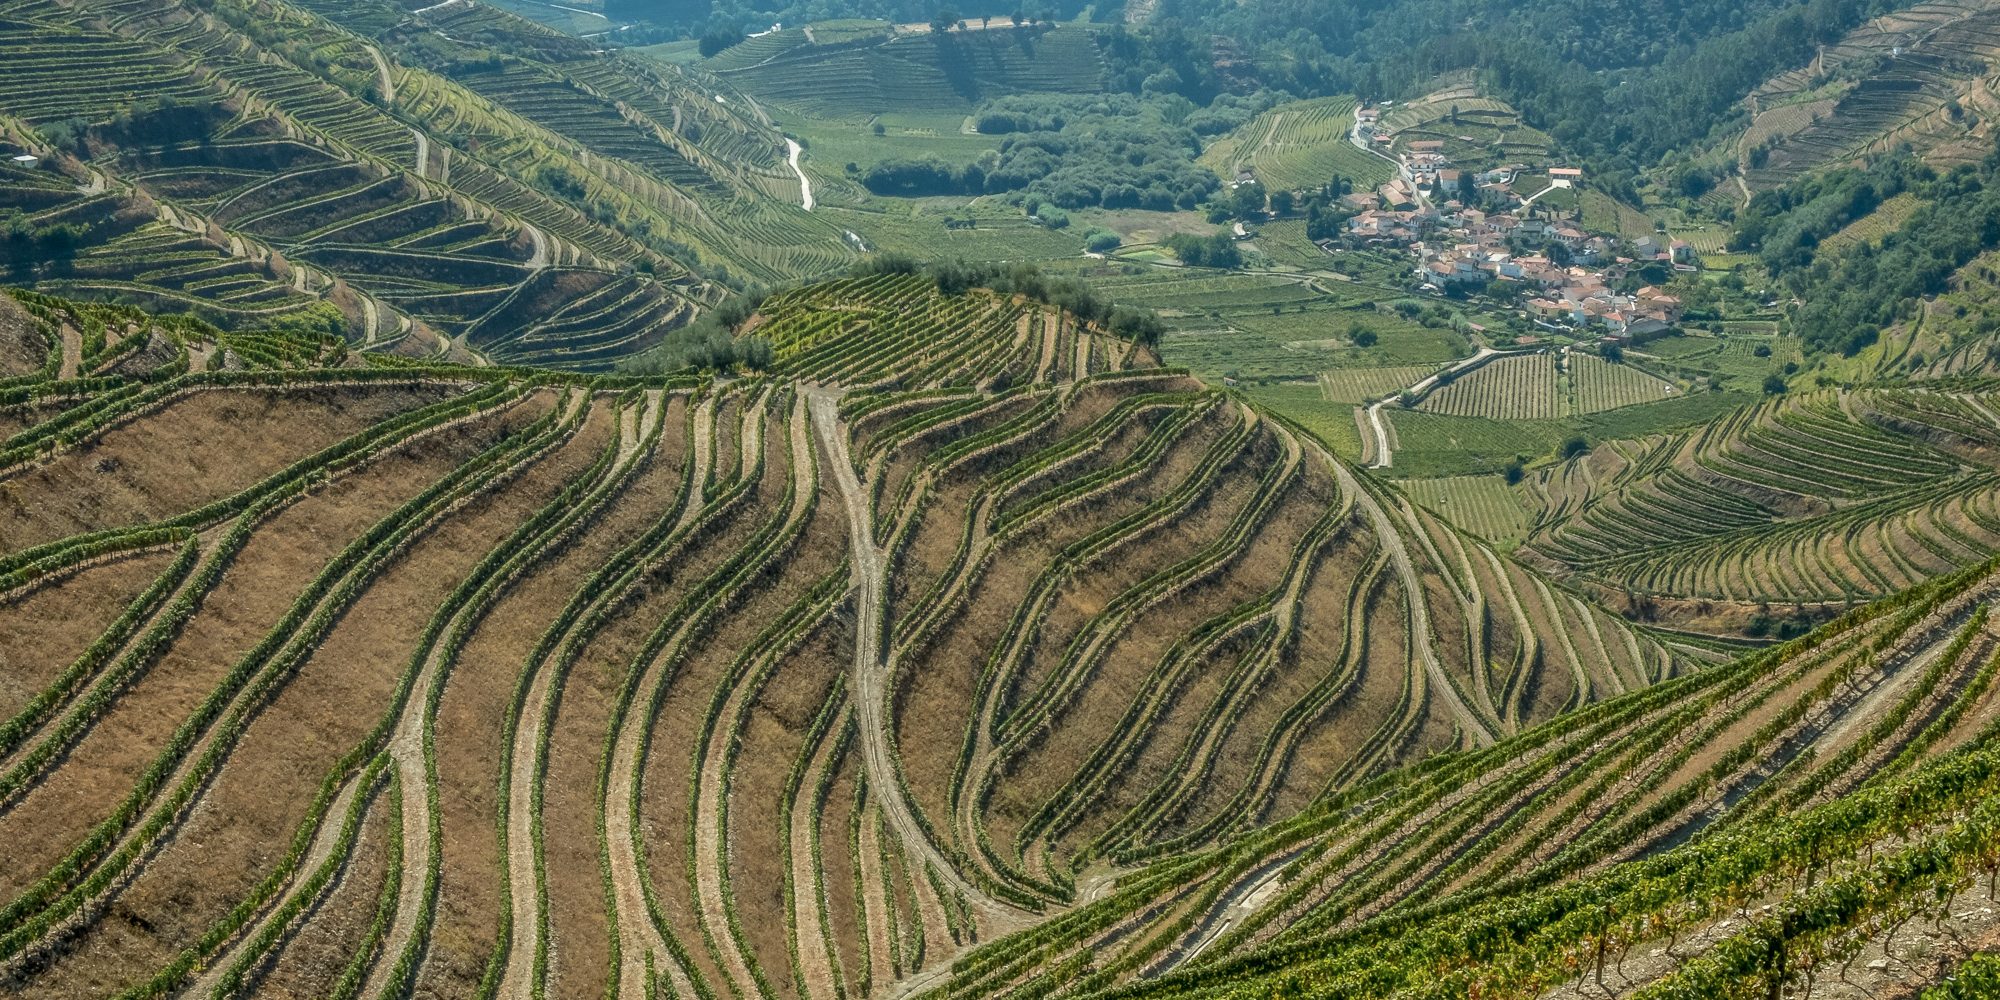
(391, 677)
(1476, 131)
(1361, 385)
(1869, 229)
(854, 78)
(1914, 76)
(1483, 505)
(1515, 388)
(540, 209)
(1824, 497)
(1302, 145)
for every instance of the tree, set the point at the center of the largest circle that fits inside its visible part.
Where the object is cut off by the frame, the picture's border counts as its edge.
(1574, 445)
(1247, 200)
(1515, 470)
(1774, 384)
(1363, 337)
(715, 39)
(1204, 251)
(1282, 202)
(942, 21)
(1101, 240)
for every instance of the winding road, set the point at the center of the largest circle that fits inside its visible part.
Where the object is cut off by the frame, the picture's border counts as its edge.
(792, 150)
(1391, 535)
(1384, 456)
(388, 87)
(869, 684)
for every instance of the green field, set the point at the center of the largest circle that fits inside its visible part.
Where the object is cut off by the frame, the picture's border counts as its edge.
(1275, 326)
(1298, 146)
(1605, 214)
(1332, 423)
(1001, 233)
(1596, 384)
(1515, 388)
(1483, 505)
(836, 142)
(1361, 385)
(1732, 356)
(1435, 444)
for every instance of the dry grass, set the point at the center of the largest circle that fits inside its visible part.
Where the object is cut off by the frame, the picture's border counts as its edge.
(44, 629)
(203, 447)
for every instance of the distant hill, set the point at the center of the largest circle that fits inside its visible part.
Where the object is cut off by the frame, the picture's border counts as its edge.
(862, 74)
(1921, 76)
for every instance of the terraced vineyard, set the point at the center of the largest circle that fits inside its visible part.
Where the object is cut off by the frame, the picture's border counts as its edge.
(563, 207)
(870, 74)
(1297, 146)
(1816, 817)
(1918, 76)
(1825, 498)
(377, 677)
(1484, 505)
(1476, 131)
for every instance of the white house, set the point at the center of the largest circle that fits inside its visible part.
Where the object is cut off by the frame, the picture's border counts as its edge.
(27, 161)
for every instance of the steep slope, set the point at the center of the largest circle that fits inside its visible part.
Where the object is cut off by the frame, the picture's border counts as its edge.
(1921, 76)
(798, 685)
(1826, 497)
(535, 201)
(1815, 818)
